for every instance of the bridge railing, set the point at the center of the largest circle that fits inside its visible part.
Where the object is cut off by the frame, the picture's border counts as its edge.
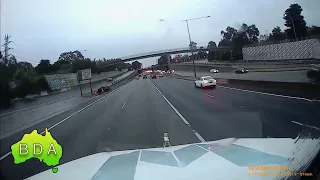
(200, 48)
(174, 50)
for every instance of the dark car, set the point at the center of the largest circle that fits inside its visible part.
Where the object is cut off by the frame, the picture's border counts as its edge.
(153, 76)
(241, 71)
(109, 79)
(144, 76)
(102, 90)
(314, 74)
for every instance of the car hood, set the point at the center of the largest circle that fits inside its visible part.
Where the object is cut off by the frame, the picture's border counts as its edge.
(223, 159)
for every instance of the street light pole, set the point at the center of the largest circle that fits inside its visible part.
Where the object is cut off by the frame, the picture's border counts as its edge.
(294, 29)
(190, 45)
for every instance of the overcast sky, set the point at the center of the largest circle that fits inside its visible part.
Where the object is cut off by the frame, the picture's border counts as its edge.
(43, 29)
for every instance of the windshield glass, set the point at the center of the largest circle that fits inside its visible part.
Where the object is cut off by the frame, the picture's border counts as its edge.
(159, 89)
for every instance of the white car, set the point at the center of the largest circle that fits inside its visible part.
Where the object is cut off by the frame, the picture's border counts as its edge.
(205, 81)
(214, 70)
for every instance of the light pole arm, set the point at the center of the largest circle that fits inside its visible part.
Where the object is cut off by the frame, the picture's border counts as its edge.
(194, 68)
(188, 32)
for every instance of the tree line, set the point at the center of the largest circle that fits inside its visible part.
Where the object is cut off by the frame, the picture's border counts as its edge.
(19, 79)
(294, 22)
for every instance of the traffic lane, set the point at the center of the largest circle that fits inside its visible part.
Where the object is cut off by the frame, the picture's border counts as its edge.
(64, 133)
(28, 103)
(134, 117)
(283, 76)
(109, 126)
(229, 113)
(10, 125)
(21, 120)
(152, 117)
(40, 127)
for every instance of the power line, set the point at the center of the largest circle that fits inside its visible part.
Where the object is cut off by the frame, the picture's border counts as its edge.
(27, 59)
(19, 44)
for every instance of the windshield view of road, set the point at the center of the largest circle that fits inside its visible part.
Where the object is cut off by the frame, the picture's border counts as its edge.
(191, 93)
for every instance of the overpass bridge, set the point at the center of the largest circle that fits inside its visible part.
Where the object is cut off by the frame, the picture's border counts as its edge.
(166, 52)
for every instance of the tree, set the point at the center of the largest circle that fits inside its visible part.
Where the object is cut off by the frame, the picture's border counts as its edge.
(80, 64)
(277, 34)
(44, 67)
(252, 33)
(193, 45)
(211, 54)
(5, 90)
(24, 65)
(202, 54)
(26, 78)
(71, 56)
(227, 36)
(136, 65)
(12, 60)
(237, 39)
(67, 58)
(295, 22)
(314, 31)
(163, 60)
(42, 84)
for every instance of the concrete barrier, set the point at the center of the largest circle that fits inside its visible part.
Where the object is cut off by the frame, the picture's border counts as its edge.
(296, 89)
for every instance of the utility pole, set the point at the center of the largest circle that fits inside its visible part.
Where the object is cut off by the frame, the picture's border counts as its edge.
(6, 48)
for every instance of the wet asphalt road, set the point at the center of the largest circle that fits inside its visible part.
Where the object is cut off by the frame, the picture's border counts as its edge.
(282, 76)
(137, 115)
(74, 92)
(14, 121)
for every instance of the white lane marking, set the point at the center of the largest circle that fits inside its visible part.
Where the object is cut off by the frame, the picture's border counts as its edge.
(178, 113)
(4, 156)
(306, 125)
(46, 103)
(68, 117)
(208, 95)
(123, 105)
(315, 100)
(269, 94)
(199, 136)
